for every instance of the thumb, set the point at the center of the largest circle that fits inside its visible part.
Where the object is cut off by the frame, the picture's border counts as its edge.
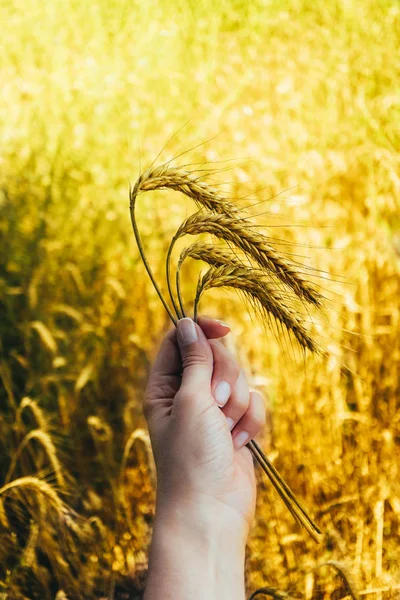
(197, 358)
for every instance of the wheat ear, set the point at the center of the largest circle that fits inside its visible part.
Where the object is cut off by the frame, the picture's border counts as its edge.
(209, 254)
(38, 487)
(36, 412)
(44, 439)
(188, 183)
(263, 295)
(256, 245)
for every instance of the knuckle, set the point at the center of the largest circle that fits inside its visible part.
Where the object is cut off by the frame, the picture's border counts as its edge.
(224, 360)
(195, 359)
(259, 419)
(185, 396)
(257, 410)
(241, 403)
(234, 370)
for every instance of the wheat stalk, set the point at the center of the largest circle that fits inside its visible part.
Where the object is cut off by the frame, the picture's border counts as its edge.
(345, 575)
(284, 491)
(266, 280)
(272, 592)
(203, 194)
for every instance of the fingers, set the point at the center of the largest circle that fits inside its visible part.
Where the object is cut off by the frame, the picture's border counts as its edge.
(213, 328)
(251, 422)
(225, 373)
(165, 377)
(239, 401)
(168, 361)
(191, 360)
(197, 358)
(244, 410)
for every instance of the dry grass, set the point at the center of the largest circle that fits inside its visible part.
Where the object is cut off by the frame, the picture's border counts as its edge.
(309, 93)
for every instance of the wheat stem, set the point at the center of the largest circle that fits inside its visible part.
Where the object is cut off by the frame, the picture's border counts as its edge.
(179, 313)
(284, 491)
(133, 196)
(178, 286)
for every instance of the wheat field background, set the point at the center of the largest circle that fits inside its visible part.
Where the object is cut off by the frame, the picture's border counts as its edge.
(305, 97)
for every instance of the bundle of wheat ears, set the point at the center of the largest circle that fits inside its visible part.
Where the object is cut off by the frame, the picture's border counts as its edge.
(246, 262)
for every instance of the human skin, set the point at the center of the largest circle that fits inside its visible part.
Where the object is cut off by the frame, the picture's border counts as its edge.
(201, 414)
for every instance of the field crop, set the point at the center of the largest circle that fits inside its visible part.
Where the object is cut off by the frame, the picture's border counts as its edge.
(293, 109)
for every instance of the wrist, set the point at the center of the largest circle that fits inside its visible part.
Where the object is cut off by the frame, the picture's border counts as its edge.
(206, 517)
(198, 551)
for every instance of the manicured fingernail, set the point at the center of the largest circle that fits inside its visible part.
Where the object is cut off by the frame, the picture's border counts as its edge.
(186, 332)
(240, 439)
(222, 323)
(230, 422)
(222, 393)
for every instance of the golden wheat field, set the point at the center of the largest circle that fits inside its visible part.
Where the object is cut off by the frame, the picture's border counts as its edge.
(288, 107)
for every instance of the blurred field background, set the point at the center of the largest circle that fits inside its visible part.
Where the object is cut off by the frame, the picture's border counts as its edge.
(305, 97)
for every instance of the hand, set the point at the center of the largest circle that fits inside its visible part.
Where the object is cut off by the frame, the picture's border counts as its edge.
(201, 415)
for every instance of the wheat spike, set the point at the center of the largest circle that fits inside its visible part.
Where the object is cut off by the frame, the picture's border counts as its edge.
(45, 336)
(47, 444)
(138, 436)
(345, 575)
(266, 298)
(38, 487)
(28, 556)
(37, 413)
(209, 254)
(256, 245)
(3, 516)
(188, 183)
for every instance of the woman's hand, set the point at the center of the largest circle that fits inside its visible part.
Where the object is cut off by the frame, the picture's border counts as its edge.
(201, 415)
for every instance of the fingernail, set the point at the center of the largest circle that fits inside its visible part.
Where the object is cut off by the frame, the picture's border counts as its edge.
(240, 439)
(222, 393)
(186, 332)
(222, 323)
(230, 422)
